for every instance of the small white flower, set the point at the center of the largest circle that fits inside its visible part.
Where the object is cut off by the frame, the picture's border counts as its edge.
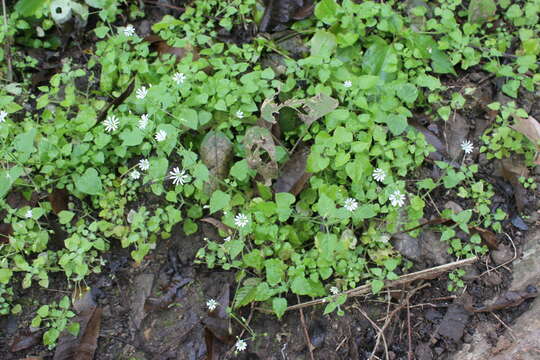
(240, 345)
(467, 146)
(211, 304)
(111, 123)
(142, 92)
(28, 214)
(379, 174)
(351, 204)
(347, 83)
(334, 290)
(179, 78)
(161, 135)
(430, 50)
(397, 198)
(3, 116)
(129, 30)
(143, 122)
(135, 174)
(241, 220)
(239, 114)
(179, 177)
(227, 239)
(144, 164)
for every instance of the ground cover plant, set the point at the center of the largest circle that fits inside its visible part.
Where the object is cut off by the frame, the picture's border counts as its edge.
(302, 147)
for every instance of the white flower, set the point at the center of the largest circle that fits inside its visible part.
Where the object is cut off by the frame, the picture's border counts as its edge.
(241, 220)
(467, 146)
(179, 78)
(129, 30)
(111, 123)
(28, 214)
(135, 174)
(379, 174)
(161, 135)
(142, 92)
(227, 239)
(179, 177)
(144, 164)
(397, 198)
(211, 304)
(239, 114)
(334, 290)
(351, 204)
(3, 116)
(143, 122)
(240, 345)
(347, 83)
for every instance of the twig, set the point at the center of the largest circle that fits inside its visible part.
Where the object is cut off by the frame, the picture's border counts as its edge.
(251, 311)
(303, 321)
(404, 279)
(505, 263)
(510, 331)
(379, 330)
(409, 331)
(7, 45)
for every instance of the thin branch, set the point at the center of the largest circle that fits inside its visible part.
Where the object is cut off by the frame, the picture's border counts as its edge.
(306, 334)
(425, 274)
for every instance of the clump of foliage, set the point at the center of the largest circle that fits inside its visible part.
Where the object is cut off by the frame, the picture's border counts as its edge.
(349, 100)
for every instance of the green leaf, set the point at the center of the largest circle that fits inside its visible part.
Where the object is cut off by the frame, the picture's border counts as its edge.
(407, 92)
(366, 211)
(246, 293)
(397, 123)
(50, 336)
(74, 328)
(219, 201)
(376, 285)
(380, 59)
(481, 10)
(323, 44)
(132, 137)
(274, 271)
(8, 177)
(301, 286)
(326, 11)
(240, 170)
(5, 275)
(441, 63)
(29, 7)
(284, 202)
(89, 183)
(24, 142)
(65, 216)
(366, 82)
(279, 305)
(43, 311)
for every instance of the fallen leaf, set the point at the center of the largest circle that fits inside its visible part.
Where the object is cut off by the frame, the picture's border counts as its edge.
(488, 238)
(5, 231)
(313, 108)
(216, 153)
(511, 171)
(84, 345)
(218, 225)
(163, 48)
(26, 340)
(530, 127)
(59, 199)
(279, 13)
(257, 139)
(218, 321)
(293, 175)
(169, 295)
(456, 130)
(508, 299)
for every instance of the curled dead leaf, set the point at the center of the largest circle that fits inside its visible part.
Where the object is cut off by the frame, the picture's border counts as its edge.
(256, 140)
(530, 127)
(293, 175)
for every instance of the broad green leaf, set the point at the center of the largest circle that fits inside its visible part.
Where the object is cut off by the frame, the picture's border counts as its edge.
(323, 44)
(88, 183)
(366, 82)
(65, 216)
(29, 7)
(366, 211)
(481, 10)
(441, 63)
(8, 177)
(246, 293)
(279, 305)
(380, 59)
(5, 275)
(407, 92)
(24, 143)
(284, 202)
(326, 11)
(219, 201)
(132, 137)
(376, 285)
(274, 271)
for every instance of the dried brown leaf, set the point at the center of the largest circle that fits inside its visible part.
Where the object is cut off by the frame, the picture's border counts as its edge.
(216, 153)
(59, 199)
(26, 340)
(488, 238)
(530, 127)
(511, 171)
(293, 175)
(218, 224)
(256, 140)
